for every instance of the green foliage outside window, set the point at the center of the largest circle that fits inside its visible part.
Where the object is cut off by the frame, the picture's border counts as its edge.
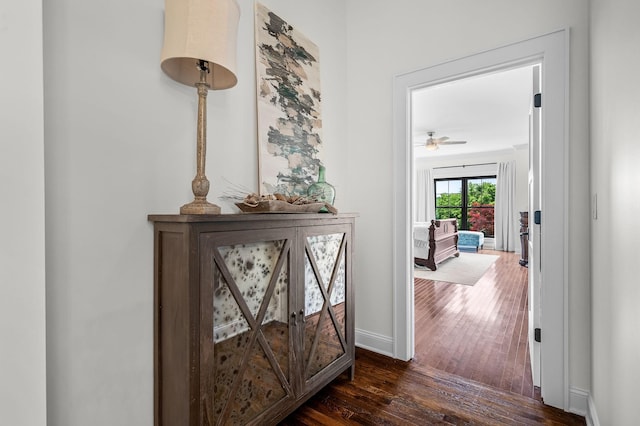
(483, 194)
(478, 212)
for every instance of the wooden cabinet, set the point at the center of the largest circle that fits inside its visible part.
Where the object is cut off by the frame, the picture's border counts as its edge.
(253, 314)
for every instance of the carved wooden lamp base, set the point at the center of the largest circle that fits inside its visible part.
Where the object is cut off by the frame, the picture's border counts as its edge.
(200, 207)
(200, 184)
(200, 187)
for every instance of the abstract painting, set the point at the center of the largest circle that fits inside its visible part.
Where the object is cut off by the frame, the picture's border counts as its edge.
(288, 94)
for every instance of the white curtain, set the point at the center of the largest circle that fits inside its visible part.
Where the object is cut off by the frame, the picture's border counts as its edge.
(505, 215)
(424, 205)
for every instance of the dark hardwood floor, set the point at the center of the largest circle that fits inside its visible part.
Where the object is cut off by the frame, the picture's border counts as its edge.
(392, 392)
(471, 365)
(478, 332)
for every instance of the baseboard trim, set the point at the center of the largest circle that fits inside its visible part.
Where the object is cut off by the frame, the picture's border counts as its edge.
(578, 401)
(592, 415)
(581, 402)
(374, 342)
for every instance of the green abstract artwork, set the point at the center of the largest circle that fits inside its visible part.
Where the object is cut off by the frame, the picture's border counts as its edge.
(288, 103)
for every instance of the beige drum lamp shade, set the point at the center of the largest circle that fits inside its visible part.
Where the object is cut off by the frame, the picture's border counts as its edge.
(198, 30)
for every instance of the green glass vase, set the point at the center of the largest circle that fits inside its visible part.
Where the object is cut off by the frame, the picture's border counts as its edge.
(322, 191)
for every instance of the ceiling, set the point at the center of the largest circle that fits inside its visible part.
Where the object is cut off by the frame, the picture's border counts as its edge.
(490, 112)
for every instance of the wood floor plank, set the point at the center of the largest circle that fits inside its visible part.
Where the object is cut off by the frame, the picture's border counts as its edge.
(471, 365)
(392, 392)
(480, 331)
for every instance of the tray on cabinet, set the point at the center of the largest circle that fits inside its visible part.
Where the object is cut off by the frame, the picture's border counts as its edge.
(278, 206)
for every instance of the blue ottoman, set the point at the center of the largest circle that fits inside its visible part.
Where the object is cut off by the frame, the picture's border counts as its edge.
(470, 241)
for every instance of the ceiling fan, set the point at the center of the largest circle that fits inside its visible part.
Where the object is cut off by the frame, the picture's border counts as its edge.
(434, 143)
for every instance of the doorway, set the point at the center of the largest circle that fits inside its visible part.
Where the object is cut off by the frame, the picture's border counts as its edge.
(475, 330)
(551, 51)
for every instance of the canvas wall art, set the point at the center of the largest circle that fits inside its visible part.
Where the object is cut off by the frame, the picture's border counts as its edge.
(288, 103)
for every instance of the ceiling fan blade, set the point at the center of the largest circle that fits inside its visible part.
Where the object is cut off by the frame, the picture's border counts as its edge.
(453, 142)
(440, 140)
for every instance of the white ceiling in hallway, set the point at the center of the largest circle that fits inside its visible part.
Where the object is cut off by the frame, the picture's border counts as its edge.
(490, 112)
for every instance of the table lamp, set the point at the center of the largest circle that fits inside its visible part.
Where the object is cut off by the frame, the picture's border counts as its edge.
(200, 50)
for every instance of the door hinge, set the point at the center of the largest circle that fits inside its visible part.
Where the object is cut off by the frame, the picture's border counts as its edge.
(537, 100)
(537, 335)
(537, 217)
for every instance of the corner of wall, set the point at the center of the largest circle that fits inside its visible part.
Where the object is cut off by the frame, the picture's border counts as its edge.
(578, 401)
(374, 342)
(592, 415)
(581, 402)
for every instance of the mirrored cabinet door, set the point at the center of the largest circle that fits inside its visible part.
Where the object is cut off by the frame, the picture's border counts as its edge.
(324, 301)
(250, 365)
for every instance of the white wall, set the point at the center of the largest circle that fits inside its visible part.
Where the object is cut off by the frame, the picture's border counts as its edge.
(22, 246)
(390, 38)
(121, 145)
(615, 151)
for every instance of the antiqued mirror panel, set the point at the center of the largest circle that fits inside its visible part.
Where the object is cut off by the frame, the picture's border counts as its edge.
(325, 281)
(251, 330)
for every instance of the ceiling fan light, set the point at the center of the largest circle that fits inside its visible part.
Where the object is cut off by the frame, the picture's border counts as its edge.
(431, 146)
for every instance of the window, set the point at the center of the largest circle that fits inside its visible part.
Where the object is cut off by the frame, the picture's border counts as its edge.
(470, 200)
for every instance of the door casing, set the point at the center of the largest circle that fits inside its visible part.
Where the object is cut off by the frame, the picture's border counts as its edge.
(552, 51)
(533, 240)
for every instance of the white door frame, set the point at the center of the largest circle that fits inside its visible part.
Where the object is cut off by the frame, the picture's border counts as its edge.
(552, 51)
(533, 230)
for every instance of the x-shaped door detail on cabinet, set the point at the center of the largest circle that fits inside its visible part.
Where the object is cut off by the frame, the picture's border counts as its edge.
(235, 396)
(325, 335)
